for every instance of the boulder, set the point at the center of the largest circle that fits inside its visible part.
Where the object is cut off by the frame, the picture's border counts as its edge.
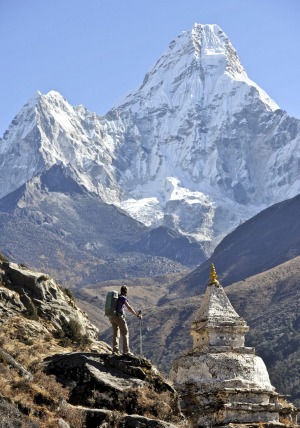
(37, 295)
(126, 388)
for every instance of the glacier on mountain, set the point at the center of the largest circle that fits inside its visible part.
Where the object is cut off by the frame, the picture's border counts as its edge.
(197, 147)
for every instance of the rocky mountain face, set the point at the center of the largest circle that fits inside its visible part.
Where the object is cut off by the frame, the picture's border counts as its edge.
(56, 373)
(197, 147)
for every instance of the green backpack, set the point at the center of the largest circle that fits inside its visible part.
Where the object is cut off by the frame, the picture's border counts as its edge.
(111, 303)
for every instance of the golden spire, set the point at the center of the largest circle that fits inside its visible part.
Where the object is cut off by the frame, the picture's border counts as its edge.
(213, 276)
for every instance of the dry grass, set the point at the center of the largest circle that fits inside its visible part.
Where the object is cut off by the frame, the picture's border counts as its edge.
(75, 417)
(285, 418)
(29, 341)
(42, 399)
(24, 338)
(152, 404)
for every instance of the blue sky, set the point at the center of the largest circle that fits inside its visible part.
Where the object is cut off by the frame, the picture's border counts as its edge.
(95, 51)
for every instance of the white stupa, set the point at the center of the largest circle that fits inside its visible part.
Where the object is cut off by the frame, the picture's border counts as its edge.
(220, 381)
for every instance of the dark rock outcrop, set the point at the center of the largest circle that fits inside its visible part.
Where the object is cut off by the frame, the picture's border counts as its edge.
(116, 388)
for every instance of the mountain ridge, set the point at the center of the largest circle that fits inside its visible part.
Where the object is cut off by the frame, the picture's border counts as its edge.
(198, 147)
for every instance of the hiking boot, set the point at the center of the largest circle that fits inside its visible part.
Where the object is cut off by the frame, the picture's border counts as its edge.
(129, 354)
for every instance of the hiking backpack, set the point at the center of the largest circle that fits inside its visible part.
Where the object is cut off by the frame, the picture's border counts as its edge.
(111, 303)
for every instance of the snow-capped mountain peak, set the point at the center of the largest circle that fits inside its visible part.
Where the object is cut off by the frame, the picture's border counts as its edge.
(49, 131)
(197, 66)
(198, 146)
(214, 48)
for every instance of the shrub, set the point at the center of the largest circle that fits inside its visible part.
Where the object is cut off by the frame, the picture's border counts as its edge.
(23, 266)
(75, 417)
(31, 311)
(68, 293)
(49, 383)
(70, 334)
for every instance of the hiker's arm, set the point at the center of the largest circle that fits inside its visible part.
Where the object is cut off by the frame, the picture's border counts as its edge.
(131, 309)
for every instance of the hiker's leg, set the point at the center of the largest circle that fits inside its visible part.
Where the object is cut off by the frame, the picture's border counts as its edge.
(125, 334)
(115, 336)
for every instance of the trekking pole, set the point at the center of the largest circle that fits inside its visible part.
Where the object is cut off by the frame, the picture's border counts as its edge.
(141, 336)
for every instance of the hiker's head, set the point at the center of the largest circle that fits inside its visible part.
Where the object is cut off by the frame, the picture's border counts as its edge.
(124, 290)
